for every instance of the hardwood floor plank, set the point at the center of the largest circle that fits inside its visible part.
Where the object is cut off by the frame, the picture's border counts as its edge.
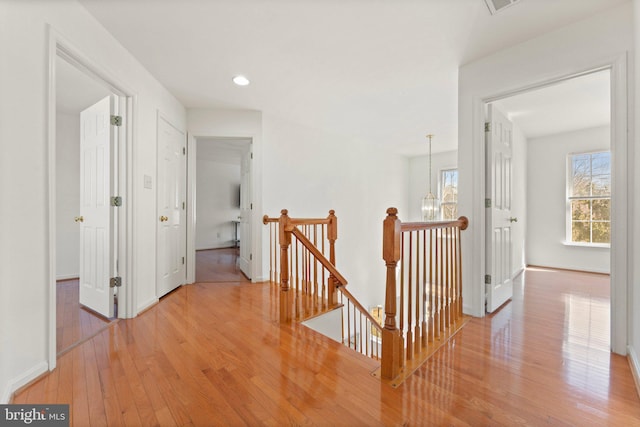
(73, 323)
(215, 354)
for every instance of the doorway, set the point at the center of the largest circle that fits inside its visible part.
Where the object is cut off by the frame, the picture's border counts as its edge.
(116, 121)
(76, 92)
(223, 209)
(561, 174)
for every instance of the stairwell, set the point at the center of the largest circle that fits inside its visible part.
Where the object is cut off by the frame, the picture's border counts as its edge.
(423, 304)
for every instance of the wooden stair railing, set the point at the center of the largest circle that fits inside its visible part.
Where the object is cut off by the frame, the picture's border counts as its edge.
(303, 263)
(425, 308)
(421, 311)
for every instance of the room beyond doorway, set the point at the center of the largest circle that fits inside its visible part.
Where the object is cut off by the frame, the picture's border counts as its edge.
(218, 265)
(223, 208)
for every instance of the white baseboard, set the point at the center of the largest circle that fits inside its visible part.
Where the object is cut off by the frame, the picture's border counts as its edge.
(21, 381)
(147, 305)
(634, 362)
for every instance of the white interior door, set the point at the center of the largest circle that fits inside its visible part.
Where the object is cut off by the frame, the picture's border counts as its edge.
(498, 279)
(97, 140)
(172, 185)
(245, 214)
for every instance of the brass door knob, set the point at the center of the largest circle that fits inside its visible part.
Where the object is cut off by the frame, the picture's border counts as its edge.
(79, 219)
(512, 219)
(164, 218)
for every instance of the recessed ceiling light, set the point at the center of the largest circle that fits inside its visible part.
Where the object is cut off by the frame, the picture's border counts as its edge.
(241, 80)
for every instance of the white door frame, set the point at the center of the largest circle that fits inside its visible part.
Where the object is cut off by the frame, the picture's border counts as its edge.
(59, 47)
(619, 205)
(255, 226)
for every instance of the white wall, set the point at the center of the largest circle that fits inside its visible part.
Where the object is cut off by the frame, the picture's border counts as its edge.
(24, 306)
(419, 183)
(68, 195)
(309, 172)
(217, 203)
(419, 179)
(547, 207)
(600, 40)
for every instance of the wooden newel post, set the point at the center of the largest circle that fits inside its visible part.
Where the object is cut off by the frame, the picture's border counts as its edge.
(332, 236)
(284, 238)
(391, 351)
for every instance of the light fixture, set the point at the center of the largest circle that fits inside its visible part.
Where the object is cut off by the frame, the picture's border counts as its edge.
(430, 203)
(241, 80)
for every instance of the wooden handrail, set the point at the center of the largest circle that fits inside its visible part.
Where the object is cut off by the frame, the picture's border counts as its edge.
(298, 221)
(267, 219)
(303, 263)
(461, 222)
(324, 261)
(429, 289)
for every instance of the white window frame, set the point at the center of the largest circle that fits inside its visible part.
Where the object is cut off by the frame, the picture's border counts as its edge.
(569, 185)
(441, 190)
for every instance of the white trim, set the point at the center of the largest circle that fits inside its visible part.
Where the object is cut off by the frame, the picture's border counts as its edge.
(619, 212)
(148, 304)
(587, 245)
(634, 363)
(191, 208)
(21, 381)
(60, 47)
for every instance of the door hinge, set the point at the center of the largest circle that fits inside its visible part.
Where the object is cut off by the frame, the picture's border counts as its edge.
(182, 260)
(251, 206)
(116, 201)
(250, 257)
(487, 203)
(251, 155)
(116, 120)
(487, 279)
(183, 205)
(487, 126)
(115, 282)
(184, 150)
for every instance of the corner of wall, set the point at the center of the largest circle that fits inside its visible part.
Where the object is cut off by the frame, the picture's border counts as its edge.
(23, 380)
(634, 363)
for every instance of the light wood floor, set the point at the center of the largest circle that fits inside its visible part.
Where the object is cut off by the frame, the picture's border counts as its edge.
(218, 265)
(73, 323)
(216, 355)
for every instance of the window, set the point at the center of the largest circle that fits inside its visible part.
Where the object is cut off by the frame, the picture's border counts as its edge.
(449, 194)
(589, 201)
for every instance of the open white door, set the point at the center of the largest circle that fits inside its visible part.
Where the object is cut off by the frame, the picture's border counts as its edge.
(172, 186)
(245, 214)
(498, 280)
(97, 142)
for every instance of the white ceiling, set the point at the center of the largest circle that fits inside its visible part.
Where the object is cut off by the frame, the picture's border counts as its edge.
(579, 103)
(381, 70)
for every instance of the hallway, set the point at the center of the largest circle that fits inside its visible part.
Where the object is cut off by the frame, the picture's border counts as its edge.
(216, 355)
